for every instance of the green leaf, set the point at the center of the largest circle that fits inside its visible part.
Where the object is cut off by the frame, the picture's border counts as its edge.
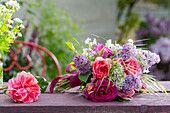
(5, 91)
(161, 87)
(84, 77)
(99, 37)
(70, 45)
(148, 91)
(31, 12)
(14, 76)
(42, 82)
(121, 99)
(72, 67)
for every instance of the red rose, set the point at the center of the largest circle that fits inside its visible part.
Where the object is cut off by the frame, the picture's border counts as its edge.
(133, 67)
(100, 67)
(104, 92)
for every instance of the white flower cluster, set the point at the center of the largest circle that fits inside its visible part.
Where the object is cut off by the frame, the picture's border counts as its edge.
(130, 42)
(119, 81)
(85, 52)
(14, 5)
(9, 28)
(117, 69)
(117, 73)
(111, 46)
(146, 58)
(17, 20)
(2, 7)
(87, 41)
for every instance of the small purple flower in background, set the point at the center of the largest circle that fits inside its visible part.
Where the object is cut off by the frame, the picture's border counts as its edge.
(82, 64)
(152, 28)
(162, 47)
(131, 82)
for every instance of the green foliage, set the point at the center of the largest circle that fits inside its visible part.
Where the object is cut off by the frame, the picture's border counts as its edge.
(4, 91)
(70, 45)
(42, 82)
(85, 77)
(9, 29)
(152, 84)
(125, 27)
(55, 28)
(121, 99)
(164, 3)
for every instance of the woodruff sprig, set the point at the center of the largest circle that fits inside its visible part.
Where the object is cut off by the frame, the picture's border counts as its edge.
(9, 27)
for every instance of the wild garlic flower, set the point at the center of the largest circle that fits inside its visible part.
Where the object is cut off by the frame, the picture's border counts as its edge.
(17, 20)
(87, 41)
(109, 44)
(14, 5)
(85, 52)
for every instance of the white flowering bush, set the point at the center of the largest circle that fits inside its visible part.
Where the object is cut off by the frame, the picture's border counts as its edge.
(9, 27)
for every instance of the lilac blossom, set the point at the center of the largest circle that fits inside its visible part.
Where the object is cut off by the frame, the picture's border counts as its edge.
(152, 28)
(126, 52)
(145, 57)
(131, 82)
(162, 47)
(82, 64)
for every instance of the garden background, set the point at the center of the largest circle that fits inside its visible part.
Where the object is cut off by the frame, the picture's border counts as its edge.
(51, 23)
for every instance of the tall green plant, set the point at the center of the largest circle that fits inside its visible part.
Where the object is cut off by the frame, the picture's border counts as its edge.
(55, 28)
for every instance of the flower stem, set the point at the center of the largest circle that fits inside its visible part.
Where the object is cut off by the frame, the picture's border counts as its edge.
(4, 88)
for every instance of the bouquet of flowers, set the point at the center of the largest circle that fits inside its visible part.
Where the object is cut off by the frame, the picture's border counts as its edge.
(109, 72)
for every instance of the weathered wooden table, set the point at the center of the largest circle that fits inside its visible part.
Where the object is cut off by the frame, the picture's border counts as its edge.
(75, 103)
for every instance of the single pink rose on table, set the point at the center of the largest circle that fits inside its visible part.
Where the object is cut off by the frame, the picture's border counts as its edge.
(133, 67)
(101, 67)
(105, 53)
(23, 88)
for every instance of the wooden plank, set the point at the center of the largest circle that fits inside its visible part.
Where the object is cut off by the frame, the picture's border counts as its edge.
(75, 103)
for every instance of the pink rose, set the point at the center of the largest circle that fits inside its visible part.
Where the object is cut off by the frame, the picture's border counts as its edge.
(23, 88)
(126, 95)
(105, 53)
(133, 67)
(100, 67)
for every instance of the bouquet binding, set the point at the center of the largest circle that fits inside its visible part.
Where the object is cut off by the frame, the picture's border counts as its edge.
(109, 72)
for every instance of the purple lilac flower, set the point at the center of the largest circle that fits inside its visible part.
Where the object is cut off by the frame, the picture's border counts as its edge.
(162, 47)
(152, 28)
(150, 58)
(126, 52)
(131, 82)
(145, 57)
(82, 64)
